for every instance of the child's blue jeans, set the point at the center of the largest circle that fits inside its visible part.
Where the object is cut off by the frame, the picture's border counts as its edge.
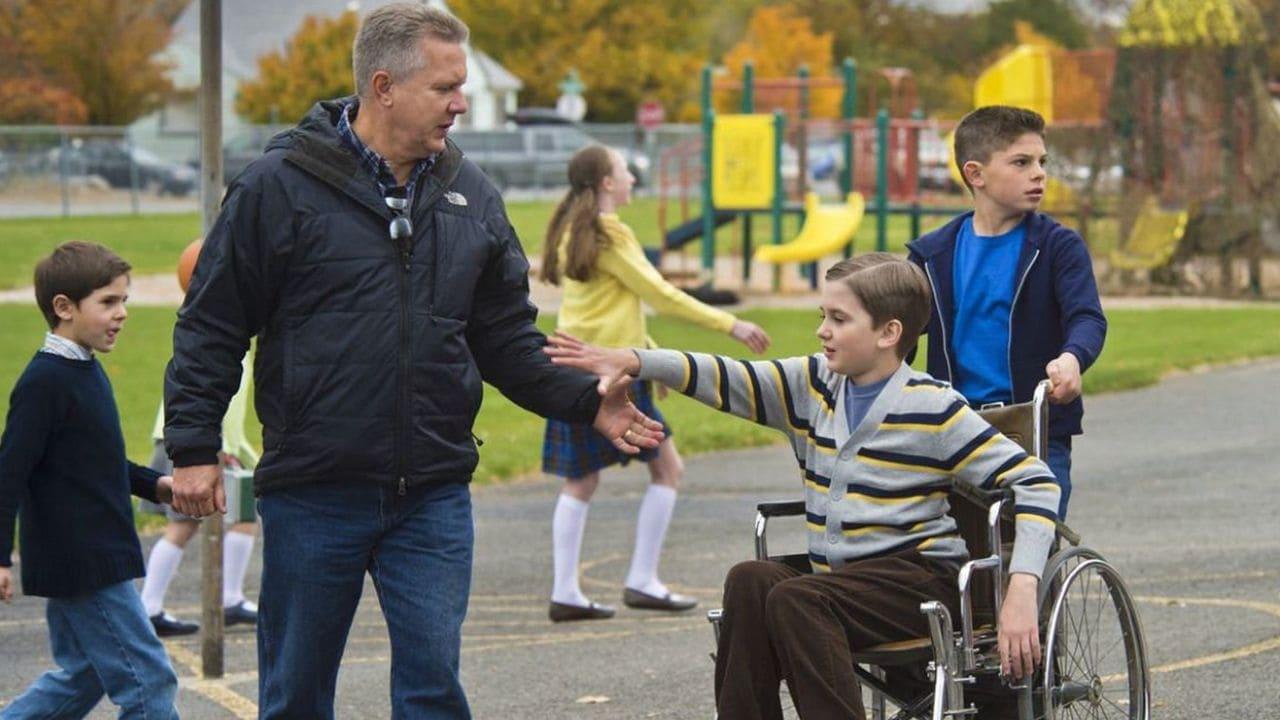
(103, 643)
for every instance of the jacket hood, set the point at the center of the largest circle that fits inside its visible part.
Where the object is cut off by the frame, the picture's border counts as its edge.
(315, 145)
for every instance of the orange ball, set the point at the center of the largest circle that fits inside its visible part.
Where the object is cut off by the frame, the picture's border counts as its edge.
(187, 263)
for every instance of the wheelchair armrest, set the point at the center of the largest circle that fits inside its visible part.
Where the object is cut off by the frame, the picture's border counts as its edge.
(780, 508)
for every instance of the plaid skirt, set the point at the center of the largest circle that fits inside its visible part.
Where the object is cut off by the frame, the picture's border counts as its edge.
(572, 451)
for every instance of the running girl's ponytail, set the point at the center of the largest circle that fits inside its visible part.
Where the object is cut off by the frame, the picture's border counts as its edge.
(578, 216)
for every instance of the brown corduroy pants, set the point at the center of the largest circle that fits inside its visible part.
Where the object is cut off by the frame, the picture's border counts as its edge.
(780, 624)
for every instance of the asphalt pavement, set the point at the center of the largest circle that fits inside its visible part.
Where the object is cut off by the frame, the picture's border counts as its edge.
(1177, 485)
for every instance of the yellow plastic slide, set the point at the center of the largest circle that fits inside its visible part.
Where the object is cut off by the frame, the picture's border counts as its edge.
(827, 229)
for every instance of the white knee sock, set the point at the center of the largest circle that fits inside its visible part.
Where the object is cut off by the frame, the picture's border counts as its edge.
(236, 549)
(162, 564)
(567, 526)
(651, 528)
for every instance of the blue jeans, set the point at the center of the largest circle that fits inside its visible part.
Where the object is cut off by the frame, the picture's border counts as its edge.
(103, 643)
(318, 541)
(1059, 463)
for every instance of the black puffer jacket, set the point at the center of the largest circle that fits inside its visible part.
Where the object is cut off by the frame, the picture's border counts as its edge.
(370, 356)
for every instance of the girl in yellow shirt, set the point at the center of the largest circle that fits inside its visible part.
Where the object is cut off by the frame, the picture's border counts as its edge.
(606, 275)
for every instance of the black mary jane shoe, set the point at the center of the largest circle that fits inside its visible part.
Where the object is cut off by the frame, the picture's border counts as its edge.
(671, 602)
(563, 612)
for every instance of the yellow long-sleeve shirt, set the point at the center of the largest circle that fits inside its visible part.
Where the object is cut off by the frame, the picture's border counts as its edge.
(606, 309)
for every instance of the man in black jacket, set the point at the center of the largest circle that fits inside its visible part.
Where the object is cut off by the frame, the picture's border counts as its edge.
(379, 271)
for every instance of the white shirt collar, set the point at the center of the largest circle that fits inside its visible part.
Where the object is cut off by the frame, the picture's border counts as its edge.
(58, 345)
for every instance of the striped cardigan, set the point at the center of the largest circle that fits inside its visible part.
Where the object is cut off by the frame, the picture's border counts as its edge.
(880, 487)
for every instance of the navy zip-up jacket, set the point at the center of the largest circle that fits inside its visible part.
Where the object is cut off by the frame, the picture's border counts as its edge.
(370, 351)
(1055, 308)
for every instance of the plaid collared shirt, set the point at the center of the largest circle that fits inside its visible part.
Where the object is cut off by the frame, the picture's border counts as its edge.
(382, 174)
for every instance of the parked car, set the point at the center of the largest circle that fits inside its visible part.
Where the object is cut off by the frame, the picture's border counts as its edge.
(535, 155)
(243, 148)
(539, 116)
(6, 170)
(121, 166)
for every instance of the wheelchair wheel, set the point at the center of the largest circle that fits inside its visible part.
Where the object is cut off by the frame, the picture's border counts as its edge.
(1095, 660)
(1056, 569)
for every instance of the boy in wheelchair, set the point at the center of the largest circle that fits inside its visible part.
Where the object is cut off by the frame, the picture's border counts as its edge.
(879, 445)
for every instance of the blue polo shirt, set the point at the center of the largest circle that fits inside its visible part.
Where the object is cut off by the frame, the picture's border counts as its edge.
(984, 278)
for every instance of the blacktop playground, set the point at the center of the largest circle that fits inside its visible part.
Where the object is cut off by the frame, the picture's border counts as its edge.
(1175, 484)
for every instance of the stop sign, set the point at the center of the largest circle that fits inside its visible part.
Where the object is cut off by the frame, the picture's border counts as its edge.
(650, 114)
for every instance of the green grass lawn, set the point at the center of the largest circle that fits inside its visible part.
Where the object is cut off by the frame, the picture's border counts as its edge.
(152, 243)
(1142, 346)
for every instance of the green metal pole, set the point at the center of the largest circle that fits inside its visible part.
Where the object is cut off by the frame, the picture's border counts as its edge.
(708, 207)
(882, 179)
(748, 87)
(848, 106)
(779, 129)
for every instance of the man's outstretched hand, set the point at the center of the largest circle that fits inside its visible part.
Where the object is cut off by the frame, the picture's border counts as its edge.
(626, 427)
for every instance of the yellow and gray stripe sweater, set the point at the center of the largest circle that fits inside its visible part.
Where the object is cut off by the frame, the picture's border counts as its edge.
(880, 487)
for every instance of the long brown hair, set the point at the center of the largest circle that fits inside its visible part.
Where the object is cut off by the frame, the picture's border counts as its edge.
(579, 214)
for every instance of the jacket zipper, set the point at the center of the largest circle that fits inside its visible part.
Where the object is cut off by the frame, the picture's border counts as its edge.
(946, 356)
(402, 398)
(1009, 346)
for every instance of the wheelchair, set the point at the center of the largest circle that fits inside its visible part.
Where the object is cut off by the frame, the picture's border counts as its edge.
(1094, 658)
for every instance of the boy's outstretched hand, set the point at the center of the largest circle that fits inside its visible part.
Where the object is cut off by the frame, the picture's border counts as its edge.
(6, 584)
(1064, 375)
(1018, 632)
(618, 418)
(613, 366)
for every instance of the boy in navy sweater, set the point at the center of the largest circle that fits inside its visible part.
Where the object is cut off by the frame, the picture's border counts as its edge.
(1014, 297)
(63, 471)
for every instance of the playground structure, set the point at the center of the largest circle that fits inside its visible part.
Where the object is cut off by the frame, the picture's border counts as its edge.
(1165, 152)
(1171, 137)
(1196, 132)
(877, 157)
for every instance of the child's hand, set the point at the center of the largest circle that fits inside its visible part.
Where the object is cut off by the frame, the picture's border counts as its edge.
(164, 489)
(1064, 374)
(751, 335)
(6, 584)
(611, 365)
(1019, 632)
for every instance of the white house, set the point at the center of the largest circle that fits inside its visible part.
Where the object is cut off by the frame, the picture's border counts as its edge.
(252, 28)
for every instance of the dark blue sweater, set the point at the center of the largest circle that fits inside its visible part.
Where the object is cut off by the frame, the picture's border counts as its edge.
(1055, 308)
(63, 471)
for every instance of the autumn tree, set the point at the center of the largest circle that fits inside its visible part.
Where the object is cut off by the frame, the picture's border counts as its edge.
(28, 101)
(106, 53)
(778, 42)
(624, 52)
(315, 65)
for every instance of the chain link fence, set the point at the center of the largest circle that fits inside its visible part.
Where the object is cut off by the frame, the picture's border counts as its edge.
(64, 171)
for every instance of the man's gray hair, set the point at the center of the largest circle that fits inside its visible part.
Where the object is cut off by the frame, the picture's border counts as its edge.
(390, 37)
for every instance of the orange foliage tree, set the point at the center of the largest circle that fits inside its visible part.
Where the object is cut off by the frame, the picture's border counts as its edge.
(27, 101)
(104, 52)
(624, 52)
(778, 42)
(315, 65)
